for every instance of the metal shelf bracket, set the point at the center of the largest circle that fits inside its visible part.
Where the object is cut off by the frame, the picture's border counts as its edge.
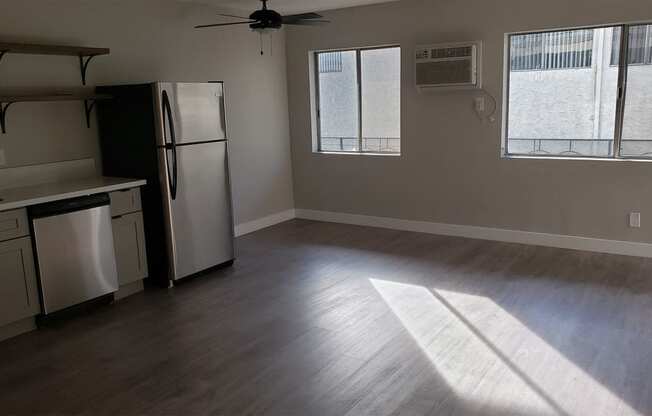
(83, 66)
(3, 116)
(89, 104)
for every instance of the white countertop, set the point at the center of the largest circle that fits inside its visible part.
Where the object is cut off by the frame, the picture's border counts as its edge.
(48, 192)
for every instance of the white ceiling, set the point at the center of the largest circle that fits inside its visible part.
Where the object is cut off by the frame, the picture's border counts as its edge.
(286, 6)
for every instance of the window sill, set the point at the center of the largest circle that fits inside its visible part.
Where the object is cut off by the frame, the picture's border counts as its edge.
(576, 158)
(357, 153)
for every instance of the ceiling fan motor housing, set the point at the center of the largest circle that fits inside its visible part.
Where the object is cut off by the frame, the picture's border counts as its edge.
(266, 19)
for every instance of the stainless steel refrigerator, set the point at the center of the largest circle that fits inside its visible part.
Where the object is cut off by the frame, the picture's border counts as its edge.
(175, 136)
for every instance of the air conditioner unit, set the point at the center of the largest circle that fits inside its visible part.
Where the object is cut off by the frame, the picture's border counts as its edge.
(449, 66)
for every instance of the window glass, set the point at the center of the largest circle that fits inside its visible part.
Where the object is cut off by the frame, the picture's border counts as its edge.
(640, 46)
(637, 117)
(359, 112)
(381, 100)
(552, 50)
(338, 101)
(562, 93)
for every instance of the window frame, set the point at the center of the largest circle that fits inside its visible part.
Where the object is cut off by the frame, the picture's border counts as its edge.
(623, 66)
(316, 100)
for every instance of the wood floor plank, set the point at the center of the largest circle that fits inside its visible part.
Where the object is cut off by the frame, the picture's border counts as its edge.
(330, 319)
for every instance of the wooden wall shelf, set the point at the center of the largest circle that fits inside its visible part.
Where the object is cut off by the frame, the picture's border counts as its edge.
(85, 54)
(62, 50)
(89, 102)
(48, 97)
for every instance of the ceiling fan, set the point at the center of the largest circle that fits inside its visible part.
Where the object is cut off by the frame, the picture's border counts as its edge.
(265, 20)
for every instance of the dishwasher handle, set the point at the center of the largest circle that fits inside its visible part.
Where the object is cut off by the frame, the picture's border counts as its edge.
(50, 209)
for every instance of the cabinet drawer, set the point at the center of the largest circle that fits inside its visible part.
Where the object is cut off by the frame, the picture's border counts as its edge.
(13, 224)
(129, 243)
(124, 202)
(17, 281)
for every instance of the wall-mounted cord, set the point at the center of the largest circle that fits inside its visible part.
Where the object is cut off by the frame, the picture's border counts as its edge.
(494, 107)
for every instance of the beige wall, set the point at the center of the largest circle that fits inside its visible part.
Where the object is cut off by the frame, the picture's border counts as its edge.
(450, 170)
(150, 40)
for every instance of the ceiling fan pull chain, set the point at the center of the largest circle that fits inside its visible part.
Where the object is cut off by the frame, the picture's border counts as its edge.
(271, 44)
(261, 43)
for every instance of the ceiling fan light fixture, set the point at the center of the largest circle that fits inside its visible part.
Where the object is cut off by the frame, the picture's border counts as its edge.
(265, 30)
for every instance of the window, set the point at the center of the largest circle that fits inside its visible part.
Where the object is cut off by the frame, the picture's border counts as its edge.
(552, 50)
(358, 95)
(572, 93)
(330, 62)
(640, 46)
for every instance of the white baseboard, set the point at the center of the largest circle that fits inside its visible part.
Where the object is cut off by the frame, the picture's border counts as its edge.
(627, 248)
(260, 223)
(16, 328)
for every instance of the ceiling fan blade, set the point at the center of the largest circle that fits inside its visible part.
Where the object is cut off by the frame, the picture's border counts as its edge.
(302, 16)
(307, 22)
(226, 24)
(232, 15)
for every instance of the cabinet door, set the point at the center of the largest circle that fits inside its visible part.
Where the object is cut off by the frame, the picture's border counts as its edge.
(125, 202)
(13, 224)
(17, 281)
(129, 241)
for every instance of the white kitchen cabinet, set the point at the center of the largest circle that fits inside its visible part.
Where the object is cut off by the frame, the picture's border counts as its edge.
(125, 202)
(128, 237)
(13, 224)
(129, 242)
(18, 287)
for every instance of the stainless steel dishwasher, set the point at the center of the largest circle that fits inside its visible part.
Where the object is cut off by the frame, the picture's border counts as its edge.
(74, 250)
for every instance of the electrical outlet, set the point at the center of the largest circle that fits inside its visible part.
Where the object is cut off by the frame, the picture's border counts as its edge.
(3, 159)
(635, 219)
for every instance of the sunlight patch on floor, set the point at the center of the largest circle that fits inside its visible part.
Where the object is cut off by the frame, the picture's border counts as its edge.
(492, 358)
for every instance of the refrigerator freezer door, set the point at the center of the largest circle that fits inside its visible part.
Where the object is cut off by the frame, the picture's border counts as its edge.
(197, 112)
(200, 221)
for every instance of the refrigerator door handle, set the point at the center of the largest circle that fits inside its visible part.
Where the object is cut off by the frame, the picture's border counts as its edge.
(167, 110)
(223, 114)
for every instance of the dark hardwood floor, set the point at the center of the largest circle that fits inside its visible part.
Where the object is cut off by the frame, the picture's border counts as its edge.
(327, 319)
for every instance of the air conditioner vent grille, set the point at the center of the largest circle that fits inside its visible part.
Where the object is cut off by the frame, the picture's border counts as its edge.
(422, 54)
(449, 65)
(459, 52)
(457, 72)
